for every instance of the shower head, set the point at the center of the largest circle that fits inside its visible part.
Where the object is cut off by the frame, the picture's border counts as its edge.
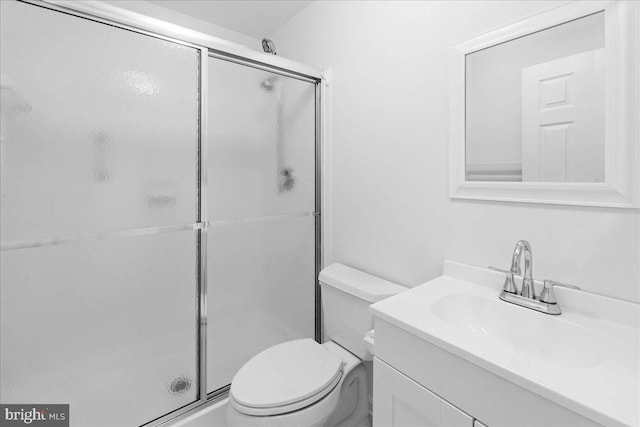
(269, 46)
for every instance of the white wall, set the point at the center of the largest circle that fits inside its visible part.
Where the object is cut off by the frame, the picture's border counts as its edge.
(391, 212)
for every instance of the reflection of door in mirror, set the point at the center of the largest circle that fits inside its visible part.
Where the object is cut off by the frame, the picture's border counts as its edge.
(535, 106)
(563, 119)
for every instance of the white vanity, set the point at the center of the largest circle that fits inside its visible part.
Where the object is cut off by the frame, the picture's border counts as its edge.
(451, 353)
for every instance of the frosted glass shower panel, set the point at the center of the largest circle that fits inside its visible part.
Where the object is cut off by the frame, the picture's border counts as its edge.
(260, 203)
(261, 153)
(78, 327)
(261, 290)
(99, 127)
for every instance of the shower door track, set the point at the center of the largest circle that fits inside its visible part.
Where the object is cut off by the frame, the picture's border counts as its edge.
(208, 46)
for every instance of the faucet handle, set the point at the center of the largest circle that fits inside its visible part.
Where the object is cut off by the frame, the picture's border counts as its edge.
(548, 295)
(509, 285)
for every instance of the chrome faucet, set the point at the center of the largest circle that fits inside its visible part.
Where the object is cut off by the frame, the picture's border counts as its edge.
(526, 296)
(524, 248)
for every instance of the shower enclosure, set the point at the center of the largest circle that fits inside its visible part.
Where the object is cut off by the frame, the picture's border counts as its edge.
(160, 212)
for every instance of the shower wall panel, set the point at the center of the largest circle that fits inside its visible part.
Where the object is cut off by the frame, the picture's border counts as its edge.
(260, 204)
(99, 140)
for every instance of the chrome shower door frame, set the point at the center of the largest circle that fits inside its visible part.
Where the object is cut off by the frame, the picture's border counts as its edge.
(209, 46)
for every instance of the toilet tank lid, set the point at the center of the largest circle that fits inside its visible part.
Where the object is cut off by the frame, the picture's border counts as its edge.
(358, 283)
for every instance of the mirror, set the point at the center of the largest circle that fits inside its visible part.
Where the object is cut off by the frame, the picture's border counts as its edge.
(545, 110)
(535, 106)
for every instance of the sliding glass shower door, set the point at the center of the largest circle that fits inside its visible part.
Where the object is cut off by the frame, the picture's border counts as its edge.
(260, 192)
(98, 286)
(143, 264)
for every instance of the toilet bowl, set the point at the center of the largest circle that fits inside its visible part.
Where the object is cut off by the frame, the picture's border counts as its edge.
(289, 396)
(305, 384)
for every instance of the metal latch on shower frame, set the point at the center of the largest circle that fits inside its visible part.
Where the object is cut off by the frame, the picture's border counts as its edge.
(316, 214)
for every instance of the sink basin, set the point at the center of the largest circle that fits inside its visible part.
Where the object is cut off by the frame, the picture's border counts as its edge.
(533, 335)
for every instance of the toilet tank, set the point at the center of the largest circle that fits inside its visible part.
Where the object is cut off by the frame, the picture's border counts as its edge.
(347, 294)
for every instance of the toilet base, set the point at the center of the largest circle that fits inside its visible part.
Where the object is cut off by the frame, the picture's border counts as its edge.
(353, 409)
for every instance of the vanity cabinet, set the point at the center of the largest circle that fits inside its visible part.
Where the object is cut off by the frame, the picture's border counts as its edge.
(398, 401)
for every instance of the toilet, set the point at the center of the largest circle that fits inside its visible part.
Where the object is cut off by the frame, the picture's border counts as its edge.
(305, 384)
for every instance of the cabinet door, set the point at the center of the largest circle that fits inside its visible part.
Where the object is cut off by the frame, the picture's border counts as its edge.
(399, 401)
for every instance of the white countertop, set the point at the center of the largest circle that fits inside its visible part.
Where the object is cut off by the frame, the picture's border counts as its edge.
(587, 359)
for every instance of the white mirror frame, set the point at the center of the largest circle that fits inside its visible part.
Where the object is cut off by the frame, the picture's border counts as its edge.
(621, 186)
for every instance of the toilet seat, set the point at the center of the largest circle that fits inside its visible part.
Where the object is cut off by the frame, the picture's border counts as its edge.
(285, 378)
